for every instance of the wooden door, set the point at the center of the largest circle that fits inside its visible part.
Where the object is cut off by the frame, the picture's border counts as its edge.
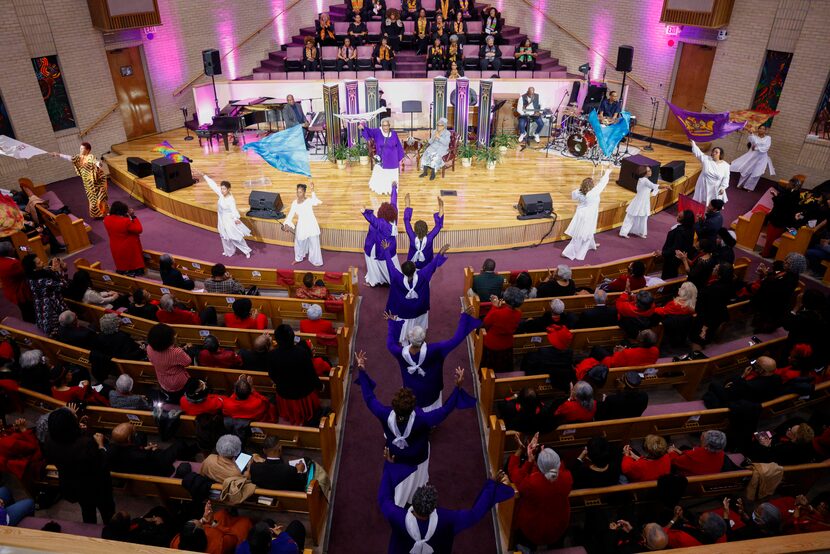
(132, 92)
(691, 81)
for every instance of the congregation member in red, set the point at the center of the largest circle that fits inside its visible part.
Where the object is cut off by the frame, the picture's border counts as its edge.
(14, 282)
(197, 400)
(246, 402)
(82, 392)
(634, 279)
(169, 361)
(244, 317)
(645, 353)
(124, 228)
(314, 322)
(543, 511)
(703, 459)
(292, 370)
(635, 314)
(682, 304)
(311, 289)
(172, 314)
(501, 323)
(212, 355)
(655, 463)
(710, 529)
(19, 450)
(580, 405)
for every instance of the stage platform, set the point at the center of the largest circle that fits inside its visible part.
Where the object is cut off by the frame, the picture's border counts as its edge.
(479, 209)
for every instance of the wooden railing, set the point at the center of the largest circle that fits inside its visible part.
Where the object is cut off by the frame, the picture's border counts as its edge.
(98, 121)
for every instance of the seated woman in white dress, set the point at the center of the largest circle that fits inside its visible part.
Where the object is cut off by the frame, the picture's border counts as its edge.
(584, 223)
(714, 175)
(439, 144)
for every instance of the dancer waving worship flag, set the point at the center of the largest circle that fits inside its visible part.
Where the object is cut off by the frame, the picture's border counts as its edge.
(19, 150)
(285, 151)
(609, 136)
(705, 127)
(422, 364)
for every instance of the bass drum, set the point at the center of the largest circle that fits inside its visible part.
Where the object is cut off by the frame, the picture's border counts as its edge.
(578, 146)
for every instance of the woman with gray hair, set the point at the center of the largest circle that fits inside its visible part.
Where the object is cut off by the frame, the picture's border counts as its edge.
(543, 511)
(314, 322)
(559, 282)
(580, 406)
(388, 155)
(439, 144)
(500, 325)
(222, 465)
(763, 521)
(116, 343)
(703, 459)
(123, 398)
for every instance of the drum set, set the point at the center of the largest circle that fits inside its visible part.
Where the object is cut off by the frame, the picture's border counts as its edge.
(574, 137)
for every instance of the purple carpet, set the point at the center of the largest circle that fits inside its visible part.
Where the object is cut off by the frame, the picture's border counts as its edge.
(457, 463)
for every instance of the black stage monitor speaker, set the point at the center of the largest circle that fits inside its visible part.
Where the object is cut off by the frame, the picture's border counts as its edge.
(212, 62)
(673, 171)
(171, 176)
(594, 96)
(262, 200)
(625, 58)
(574, 93)
(628, 171)
(139, 167)
(535, 204)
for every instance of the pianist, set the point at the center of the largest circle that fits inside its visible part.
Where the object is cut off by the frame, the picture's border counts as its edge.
(292, 114)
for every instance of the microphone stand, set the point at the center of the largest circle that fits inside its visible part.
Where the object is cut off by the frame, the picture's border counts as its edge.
(654, 104)
(186, 128)
(553, 121)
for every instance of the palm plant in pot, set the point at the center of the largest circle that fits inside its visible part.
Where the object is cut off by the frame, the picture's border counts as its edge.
(503, 141)
(340, 153)
(466, 152)
(490, 155)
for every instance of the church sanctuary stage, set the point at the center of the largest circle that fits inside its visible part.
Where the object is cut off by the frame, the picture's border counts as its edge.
(480, 215)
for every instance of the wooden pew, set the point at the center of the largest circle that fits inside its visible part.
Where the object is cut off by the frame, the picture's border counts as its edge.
(276, 308)
(748, 229)
(73, 230)
(799, 243)
(144, 375)
(797, 479)
(336, 347)
(312, 502)
(322, 438)
(26, 245)
(264, 278)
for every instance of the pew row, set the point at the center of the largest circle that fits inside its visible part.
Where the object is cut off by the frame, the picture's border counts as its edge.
(263, 278)
(219, 379)
(322, 438)
(276, 308)
(336, 347)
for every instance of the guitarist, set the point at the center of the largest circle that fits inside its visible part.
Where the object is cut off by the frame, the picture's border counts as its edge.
(530, 111)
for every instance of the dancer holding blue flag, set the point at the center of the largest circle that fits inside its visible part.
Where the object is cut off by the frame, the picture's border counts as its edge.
(285, 151)
(307, 231)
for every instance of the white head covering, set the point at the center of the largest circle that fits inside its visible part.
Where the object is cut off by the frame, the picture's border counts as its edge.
(548, 463)
(414, 532)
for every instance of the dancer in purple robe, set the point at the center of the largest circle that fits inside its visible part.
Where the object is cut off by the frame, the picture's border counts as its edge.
(424, 527)
(383, 227)
(422, 364)
(409, 289)
(420, 241)
(407, 428)
(389, 153)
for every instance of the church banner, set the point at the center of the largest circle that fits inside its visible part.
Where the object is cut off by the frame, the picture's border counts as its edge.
(485, 112)
(462, 108)
(331, 106)
(439, 99)
(352, 106)
(372, 91)
(705, 127)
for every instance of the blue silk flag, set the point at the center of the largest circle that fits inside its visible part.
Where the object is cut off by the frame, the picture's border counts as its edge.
(609, 136)
(284, 151)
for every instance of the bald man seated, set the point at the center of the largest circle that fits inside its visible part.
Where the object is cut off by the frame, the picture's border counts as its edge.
(256, 359)
(758, 383)
(126, 456)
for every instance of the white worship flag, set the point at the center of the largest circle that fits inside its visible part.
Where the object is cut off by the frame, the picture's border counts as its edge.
(16, 149)
(354, 117)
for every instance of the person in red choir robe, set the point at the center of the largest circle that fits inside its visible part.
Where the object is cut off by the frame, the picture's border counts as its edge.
(247, 403)
(124, 228)
(645, 353)
(703, 459)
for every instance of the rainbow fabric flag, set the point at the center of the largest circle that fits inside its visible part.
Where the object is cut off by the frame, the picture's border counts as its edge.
(166, 149)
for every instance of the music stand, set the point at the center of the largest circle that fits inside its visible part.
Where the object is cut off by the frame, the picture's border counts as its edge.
(411, 107)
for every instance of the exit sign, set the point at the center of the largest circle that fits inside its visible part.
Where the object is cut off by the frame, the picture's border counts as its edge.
(672, 30)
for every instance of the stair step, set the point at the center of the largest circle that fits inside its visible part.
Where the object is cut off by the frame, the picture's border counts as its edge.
(338, 12)
(278, 55)
(410, 74)
(272, 65)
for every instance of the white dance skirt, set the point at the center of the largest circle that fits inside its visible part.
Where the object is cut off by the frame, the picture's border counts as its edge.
(376, 271)
(406, 488)
(381, 180)
(420, 321)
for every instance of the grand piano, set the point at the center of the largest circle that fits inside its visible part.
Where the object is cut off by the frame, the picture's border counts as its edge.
(237, 116)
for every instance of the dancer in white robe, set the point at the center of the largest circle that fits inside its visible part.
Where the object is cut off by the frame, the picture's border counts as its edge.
(231, 230)
(584, 223)
(714, 175)
(754, 163)
(307, 231)
(638, 210)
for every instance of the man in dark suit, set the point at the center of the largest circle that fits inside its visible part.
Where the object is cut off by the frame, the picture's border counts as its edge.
(530, 111)
(600, 315)
(708, 226)
(257, 358)
(630, 402)
(274, 473)
(72, 332)
(488, 282)
(292, 114)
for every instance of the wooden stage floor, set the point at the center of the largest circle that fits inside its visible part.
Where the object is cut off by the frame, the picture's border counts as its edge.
(481, 217)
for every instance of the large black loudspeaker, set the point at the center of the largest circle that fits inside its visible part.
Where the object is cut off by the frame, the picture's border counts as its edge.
(673, 171)
(139, 167)
(535, 204)
(628, 171)
(260, 200)
(594, 96)
(574, 93)
(212, 62)
(625, 57)
(171, 176)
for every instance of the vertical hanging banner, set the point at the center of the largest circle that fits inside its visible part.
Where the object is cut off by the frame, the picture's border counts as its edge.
(462, 107)
(331, 104)
(352, 107)
(439, 99)
(372, 89)
(485, 112)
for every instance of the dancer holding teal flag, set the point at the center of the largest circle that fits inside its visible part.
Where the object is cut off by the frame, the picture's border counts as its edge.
(285, 151)
(609, 136)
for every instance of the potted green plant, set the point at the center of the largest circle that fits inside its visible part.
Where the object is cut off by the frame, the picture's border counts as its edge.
(503, 141)
(489, 155)
(340, 153)
(360, 151)
(466, 152)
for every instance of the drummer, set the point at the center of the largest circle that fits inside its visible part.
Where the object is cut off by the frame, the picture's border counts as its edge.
(610, 108)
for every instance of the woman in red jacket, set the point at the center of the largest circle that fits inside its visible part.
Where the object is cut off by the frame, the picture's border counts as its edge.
(543, 511)
(501, 323)
(654, 464)
(682, 304)
(703, 459)
(124, 228)
(580, 407)
(646, 353)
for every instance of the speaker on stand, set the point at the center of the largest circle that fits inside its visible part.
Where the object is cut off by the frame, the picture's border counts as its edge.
(625, 59)
(212, 62)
